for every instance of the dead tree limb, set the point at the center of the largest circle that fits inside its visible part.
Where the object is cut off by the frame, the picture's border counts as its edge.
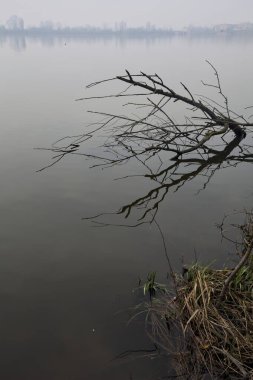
(171, 152)
(246, 255)
(237, 268)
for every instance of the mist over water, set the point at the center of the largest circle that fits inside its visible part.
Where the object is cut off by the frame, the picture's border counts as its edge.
(65, 286)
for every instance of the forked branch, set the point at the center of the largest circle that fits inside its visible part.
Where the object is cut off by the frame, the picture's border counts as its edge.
(171, 152)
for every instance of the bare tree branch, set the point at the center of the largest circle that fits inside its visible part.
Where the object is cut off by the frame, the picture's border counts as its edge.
(171, 152)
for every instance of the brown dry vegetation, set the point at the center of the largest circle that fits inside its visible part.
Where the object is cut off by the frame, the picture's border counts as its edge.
(207, 328)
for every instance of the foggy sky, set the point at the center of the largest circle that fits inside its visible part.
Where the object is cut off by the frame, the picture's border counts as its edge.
(174, 13)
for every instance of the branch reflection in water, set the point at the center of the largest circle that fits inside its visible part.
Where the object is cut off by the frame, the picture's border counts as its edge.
(209, 137)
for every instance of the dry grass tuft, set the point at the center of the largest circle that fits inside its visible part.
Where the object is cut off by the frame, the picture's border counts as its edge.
(204, 328)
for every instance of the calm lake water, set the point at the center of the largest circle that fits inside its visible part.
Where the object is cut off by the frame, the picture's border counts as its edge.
(65, 286)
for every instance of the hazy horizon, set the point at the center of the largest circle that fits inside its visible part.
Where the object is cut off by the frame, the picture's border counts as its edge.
(162, 13)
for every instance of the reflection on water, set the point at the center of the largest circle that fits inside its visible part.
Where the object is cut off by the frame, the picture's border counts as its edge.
(171, 153)
(19, 41)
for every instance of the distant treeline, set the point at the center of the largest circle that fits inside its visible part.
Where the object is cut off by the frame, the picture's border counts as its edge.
(88, 31)
(16, 25)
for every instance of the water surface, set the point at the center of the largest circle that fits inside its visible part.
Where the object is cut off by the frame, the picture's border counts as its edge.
(65, 286)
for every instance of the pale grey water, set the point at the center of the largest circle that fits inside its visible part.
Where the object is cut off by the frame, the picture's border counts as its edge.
(64, 285)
